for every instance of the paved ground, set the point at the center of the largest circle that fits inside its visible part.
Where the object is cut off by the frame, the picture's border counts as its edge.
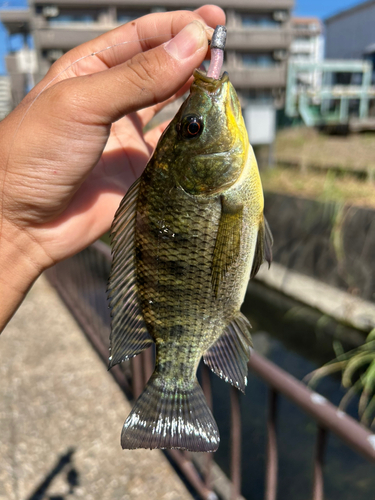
(61, 415)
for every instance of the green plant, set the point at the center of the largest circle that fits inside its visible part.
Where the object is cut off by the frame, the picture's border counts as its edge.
(358, 376)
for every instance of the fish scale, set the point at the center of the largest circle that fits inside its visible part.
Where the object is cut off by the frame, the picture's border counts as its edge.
(186, 239)
(164, 253)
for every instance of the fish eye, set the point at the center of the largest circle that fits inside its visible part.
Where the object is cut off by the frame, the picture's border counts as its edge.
(191, 126)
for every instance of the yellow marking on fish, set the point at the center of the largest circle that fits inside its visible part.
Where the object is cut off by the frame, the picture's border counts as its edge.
(236, 126)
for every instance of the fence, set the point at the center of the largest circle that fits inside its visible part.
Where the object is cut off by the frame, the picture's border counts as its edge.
(81, 282)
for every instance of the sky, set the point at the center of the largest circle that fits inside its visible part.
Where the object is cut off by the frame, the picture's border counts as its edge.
(318, 8)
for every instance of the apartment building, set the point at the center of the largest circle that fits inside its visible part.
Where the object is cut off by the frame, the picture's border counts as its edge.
(259, 36)
(307, 47)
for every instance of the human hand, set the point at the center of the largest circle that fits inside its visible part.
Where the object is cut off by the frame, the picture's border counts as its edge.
(58, 190)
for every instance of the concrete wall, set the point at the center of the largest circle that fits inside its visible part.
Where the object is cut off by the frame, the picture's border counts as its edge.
(348, 35)
(329, 241)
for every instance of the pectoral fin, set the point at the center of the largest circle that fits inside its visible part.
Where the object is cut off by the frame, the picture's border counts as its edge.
(263, 250)
(129, 335)
(228, 242)
(229, 355)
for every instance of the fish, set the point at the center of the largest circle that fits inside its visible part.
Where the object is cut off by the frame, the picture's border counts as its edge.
(186, 238)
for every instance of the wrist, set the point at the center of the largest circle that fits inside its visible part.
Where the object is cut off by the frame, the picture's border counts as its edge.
(21, 262)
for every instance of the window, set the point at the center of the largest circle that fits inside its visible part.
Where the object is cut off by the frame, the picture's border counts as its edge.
(257, 95)
(302, 39)
(52, 55)
(125, 16)
(253, 59)
(259, 20)
(67, 16)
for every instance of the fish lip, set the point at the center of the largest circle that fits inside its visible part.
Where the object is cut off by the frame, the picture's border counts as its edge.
(208, 79)
(210, 84)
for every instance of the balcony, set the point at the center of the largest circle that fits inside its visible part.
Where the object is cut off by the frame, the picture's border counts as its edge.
(304, 47)
(66, 38)
(255, 38)
(16, 21)
(257, 77)
(239, 4)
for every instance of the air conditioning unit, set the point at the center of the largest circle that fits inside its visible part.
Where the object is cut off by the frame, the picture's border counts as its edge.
(54, 54)
(280, 55)
(50, 11)
(280, 15)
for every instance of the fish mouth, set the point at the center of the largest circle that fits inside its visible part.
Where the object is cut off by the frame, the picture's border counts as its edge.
(210, 84)
(203, 76)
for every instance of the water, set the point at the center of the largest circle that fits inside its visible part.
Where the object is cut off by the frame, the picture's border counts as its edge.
(298, 340)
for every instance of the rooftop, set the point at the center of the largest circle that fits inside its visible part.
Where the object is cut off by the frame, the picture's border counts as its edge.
(306, 20)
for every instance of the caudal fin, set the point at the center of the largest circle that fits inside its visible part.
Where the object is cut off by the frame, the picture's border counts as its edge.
(168, 416)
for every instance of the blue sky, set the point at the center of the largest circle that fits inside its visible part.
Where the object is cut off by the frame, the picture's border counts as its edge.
(322, 8)
(319, 8)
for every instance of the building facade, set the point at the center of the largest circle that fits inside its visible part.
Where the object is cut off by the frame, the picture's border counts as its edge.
(350, 34)
(258, 42)
(307, 47)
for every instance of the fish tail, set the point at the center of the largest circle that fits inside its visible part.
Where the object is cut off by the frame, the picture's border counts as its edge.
(169, 414)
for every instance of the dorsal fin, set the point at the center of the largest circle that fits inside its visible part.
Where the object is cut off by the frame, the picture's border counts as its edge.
(263, 249)
(129, 335)
(229, 355)
(228, 242)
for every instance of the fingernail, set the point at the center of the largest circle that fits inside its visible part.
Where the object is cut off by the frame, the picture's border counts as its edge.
(187, 42)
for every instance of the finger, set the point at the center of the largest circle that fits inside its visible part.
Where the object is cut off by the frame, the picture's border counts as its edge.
(147, 114)
(213, 13)
(137, 36)
(147, 79)
(152, 136)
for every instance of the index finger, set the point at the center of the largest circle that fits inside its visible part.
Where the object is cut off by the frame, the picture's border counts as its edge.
(129, 39)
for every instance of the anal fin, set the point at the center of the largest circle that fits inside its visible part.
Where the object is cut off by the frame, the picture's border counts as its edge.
(229, 355)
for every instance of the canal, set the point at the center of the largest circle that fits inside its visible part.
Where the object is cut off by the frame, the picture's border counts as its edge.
(298, 339)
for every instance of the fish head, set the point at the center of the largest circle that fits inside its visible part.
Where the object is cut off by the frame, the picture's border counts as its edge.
(207, 141)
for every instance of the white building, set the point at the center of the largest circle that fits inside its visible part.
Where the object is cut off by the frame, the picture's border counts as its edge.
(307, 46)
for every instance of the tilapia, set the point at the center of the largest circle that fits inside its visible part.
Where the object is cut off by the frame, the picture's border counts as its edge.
(186, 238)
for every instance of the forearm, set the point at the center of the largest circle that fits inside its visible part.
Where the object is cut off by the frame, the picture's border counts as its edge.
(20, 265)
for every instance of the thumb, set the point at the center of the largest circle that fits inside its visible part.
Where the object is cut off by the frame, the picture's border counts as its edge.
(146, 79)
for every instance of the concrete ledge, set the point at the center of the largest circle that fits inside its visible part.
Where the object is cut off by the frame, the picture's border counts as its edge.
(340, 305)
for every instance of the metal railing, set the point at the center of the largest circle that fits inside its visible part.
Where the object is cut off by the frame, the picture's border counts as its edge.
(81, 282)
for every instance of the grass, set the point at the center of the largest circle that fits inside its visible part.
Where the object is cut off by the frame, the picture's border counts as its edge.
(322, 186)
(323, 167)
(302, 145)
